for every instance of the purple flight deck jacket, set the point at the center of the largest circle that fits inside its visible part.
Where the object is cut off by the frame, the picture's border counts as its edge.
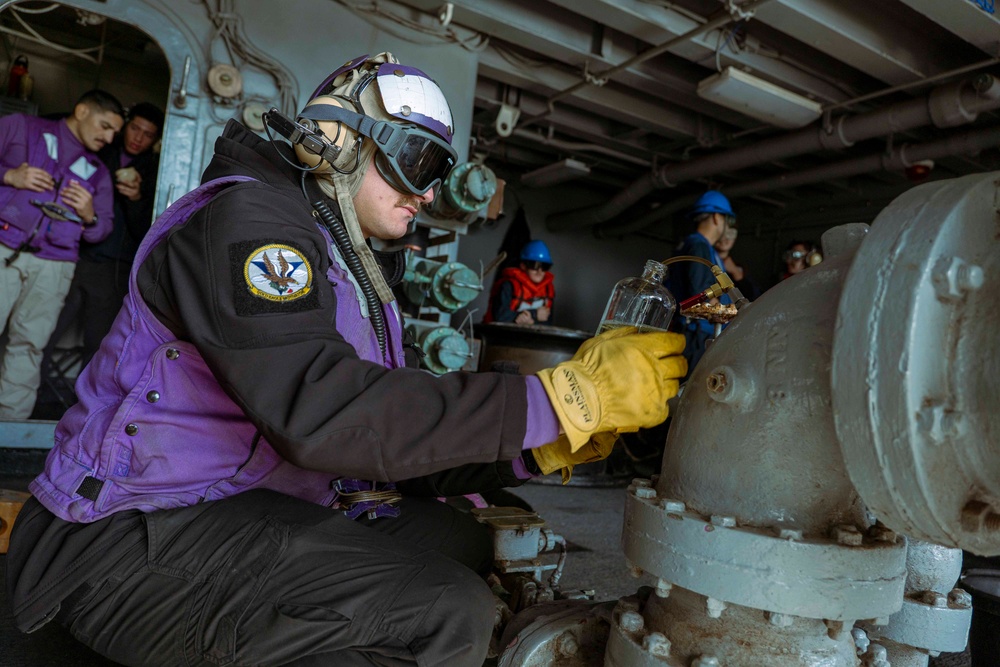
(49, 145)
(155, 430)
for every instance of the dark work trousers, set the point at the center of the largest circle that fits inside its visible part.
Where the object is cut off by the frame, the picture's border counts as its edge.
(94, 297)
(265, 579)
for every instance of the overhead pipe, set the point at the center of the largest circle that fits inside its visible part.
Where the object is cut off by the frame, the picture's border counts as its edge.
(949, 105)
(966, 143)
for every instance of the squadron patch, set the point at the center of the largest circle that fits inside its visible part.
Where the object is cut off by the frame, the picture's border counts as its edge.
(277, 272)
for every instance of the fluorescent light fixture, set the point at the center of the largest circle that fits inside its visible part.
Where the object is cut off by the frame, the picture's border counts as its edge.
(759, 99)
(557, 172)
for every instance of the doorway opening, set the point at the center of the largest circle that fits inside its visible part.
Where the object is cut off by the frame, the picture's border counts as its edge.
(51, 55)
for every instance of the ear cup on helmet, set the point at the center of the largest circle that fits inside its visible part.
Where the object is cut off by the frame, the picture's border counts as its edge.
(335, 134)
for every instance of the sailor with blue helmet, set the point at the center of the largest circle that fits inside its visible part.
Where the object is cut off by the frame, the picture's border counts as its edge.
(712, 215)
(523, 294)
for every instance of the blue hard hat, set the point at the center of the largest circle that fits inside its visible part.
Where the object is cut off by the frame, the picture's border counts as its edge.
(536, 251)
(712, 201)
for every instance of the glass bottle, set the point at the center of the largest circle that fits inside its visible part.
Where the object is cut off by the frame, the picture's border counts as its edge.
(640, 302)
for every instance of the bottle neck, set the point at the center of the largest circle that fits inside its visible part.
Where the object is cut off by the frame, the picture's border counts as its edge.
(654, 272)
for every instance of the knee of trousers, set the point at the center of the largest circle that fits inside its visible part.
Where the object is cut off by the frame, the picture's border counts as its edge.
(465, 608)
(463, 601)
(469, 596)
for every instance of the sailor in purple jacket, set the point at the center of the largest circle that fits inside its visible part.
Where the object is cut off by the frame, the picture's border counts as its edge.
(252, 472)
(55, 191)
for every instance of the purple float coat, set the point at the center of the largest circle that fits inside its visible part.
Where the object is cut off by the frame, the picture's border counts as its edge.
(50, 145)
(201, 400)
(153, 429)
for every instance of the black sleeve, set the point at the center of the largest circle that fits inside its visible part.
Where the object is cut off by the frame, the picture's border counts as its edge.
(473, 478)
(295, 377)
(501, 306)
(139, 214)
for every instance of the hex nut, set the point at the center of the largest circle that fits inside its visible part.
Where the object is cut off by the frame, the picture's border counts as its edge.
(567, 645)
(933, 598)
(663, 588)
(848, 535)
(714, 607)
(645, 492)
(672, 505)
(953, 277)
(793, 534)
(960, 597)
(875, 656)
(861, 640)
(969, 277)
(977, 515)
(632, 621)
(778, 619)
(881, 533)
(656, 644)
(716, 382)
(724, 521)
(705, 661)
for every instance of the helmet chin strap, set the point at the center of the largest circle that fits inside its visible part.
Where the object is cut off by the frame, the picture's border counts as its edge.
(339, 186)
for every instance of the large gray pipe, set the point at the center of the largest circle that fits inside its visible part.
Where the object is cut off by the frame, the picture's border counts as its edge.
(966, 143)
(949, 105)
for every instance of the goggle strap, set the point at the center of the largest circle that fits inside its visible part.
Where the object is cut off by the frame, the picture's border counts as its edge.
(385, 135)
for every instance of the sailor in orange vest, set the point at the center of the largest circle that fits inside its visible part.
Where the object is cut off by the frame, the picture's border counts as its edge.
(523, 294)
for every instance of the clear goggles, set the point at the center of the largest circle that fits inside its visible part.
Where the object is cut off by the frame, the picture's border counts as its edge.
(795, 255)
(415, 160)
(414, 152)
(411, 158)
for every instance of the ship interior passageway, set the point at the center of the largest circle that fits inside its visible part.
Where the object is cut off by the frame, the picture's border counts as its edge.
(806, 193)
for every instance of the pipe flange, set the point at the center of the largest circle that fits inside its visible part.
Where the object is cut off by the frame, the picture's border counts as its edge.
(914, 353)
(835, 579)
(945, 106)
(835, 139)
(932, 622)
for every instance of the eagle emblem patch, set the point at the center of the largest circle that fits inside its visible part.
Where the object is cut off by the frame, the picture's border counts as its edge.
(278, 272)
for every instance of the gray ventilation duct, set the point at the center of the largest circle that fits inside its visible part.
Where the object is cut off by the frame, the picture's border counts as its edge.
(949, 105)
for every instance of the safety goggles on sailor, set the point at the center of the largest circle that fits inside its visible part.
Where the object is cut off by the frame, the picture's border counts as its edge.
(537, 266)
(410, 158)
(795, 255)
(414, 150)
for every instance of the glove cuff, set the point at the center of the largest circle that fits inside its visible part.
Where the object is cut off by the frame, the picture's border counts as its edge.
(531, 463)
(574, 399)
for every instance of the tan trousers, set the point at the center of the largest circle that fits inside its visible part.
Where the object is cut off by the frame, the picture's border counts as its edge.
(32, 292)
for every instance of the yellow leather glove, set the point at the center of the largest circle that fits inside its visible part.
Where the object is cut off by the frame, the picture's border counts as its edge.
(558, 455)
(619, 381)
